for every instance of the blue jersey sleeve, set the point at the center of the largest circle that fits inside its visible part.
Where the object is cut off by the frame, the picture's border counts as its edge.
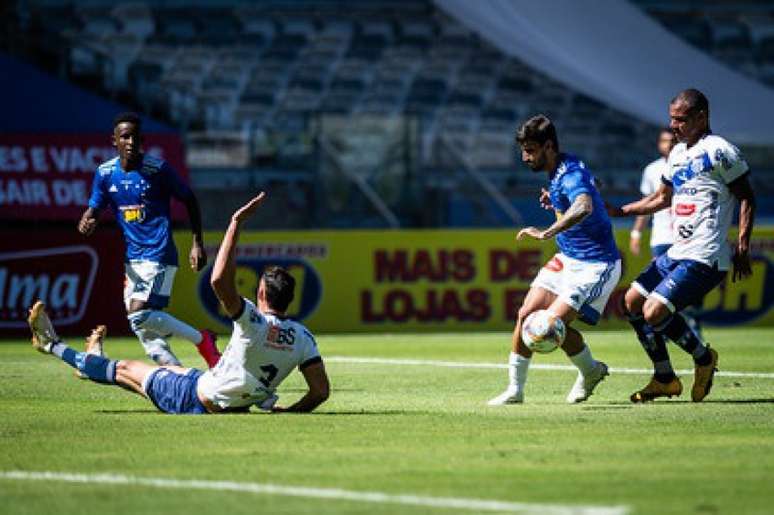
(179, 189)
(99, 195)
(576, 183)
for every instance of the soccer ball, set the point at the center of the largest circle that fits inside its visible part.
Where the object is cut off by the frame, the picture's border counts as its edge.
(543, 331)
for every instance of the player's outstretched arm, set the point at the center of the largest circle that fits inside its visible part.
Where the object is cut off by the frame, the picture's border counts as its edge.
(653, 203)
(743, 191)
(581, 207)
(88, 221)
(197, 257)
(224, 270)
(319, 390)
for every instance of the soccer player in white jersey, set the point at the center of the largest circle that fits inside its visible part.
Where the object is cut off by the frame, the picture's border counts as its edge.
(705, 178)
(578, 280)
(265, 347)
(661, 232)
(138, 188)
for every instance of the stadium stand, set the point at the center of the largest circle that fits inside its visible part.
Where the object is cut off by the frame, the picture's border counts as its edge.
(249, 82)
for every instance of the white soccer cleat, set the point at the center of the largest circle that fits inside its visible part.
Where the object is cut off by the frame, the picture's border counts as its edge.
(43, 333)
(584, 385)
(94, 346)
(510, 396)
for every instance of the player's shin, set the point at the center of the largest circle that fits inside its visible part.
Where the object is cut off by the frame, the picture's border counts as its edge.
(518, 367)
(677, 329)
(156, 347)
(164, 324)
(96, 368)
(655, 347)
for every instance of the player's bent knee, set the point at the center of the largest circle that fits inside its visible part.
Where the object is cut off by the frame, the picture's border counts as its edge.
(634, 301)
(654, 311)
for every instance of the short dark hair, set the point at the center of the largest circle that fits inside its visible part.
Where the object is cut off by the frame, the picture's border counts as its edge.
(279, 286)
(127, 117)
(538, 129)
(695, 100)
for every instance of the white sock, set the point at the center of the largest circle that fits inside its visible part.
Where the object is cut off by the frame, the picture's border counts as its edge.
(165, 324)
(518, 366)
(584, 361)
(157, 348)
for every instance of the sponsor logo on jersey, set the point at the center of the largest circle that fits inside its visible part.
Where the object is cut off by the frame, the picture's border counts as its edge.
(133, 214)
(249, 269)
(685, 209)
(62, 277)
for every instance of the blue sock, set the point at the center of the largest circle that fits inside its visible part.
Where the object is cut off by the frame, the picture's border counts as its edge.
(96, 368)
(676, 329)
(655, 348)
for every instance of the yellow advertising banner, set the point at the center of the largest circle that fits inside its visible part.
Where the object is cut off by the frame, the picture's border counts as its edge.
(430, 280)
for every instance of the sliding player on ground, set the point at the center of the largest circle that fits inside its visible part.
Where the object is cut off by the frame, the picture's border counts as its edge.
(265, 347)
(577, 281)
(704, 178)
(138, 188)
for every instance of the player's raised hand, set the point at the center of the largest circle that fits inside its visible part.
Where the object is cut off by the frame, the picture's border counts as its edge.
(531, 232)
(197, 257)
(742, 267)
(246, 211)
(545, 199)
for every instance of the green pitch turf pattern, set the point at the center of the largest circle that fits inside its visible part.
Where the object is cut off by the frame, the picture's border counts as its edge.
(396, 428)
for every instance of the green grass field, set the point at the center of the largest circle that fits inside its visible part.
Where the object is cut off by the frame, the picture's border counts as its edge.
(414, 429)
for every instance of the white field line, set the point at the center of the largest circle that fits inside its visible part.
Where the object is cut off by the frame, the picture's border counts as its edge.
(539, 366)
(476, 505)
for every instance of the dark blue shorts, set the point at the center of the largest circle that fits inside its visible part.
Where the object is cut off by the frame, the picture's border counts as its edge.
(658, 250)
(175, 393)
(678, 283)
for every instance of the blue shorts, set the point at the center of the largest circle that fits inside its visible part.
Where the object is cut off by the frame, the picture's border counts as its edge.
(175, 393)
(678, 283)
(658, 250)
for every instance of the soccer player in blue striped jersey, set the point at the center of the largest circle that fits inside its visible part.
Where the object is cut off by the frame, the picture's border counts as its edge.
(578, 280)
(138, 188)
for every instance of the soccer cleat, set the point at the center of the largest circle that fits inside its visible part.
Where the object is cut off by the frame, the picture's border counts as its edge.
(94, 346)
(703, 376)
(656, 389)
(208, 348)
(584, 385)
(510, 396)
(43, 333)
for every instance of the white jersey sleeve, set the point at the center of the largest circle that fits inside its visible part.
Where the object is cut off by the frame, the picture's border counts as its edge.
(728, 161)
(309, 353)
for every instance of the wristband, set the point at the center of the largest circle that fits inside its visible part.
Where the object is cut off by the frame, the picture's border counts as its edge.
(635, 234)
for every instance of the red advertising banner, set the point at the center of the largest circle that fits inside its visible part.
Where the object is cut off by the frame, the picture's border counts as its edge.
(48, 176)
(80, 279)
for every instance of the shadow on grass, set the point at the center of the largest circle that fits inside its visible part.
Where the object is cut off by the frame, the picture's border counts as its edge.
(142, 411)
(139, 411)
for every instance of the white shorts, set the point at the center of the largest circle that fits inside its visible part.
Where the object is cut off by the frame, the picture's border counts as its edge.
(149, 282)
(585, 286)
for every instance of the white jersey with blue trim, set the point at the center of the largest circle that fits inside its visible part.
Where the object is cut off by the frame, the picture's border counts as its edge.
(702, 204)
(661, 232)
(264, 348)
